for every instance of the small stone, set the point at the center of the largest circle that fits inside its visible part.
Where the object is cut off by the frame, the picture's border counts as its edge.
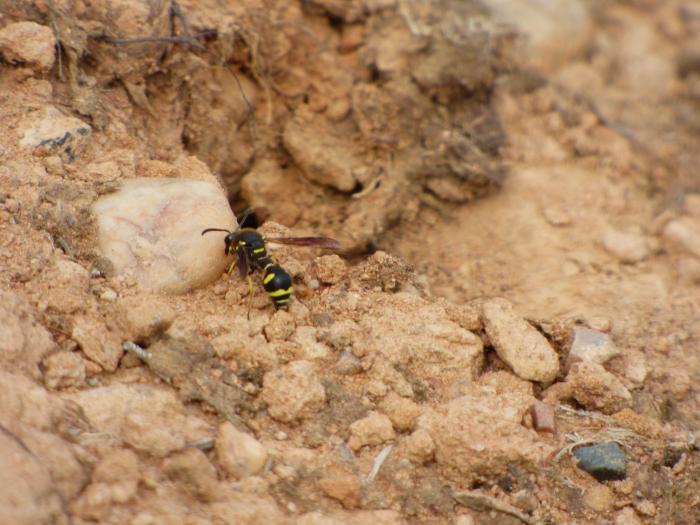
(330, 269)
(518, 343)
(627, 516)
(591, 345)
(542, 417)
(402, 411)
(599, 498)
(293, 391)
(144, 317)
(685, 233)
(114, 481)
(240, 454)
(155, 436)
(64, 369)
(97, 342)
(593, 387)
(340, 483)
(604, 461)
(280, 327)
(194, 473)
(421, 447)
(347, 364)
(28, 43)
(49, 132)
(23, 341)
(108, 295)
(636, 369)
(627, 247)
(646, 507)
(311, 348)
(374, 429)
(557, 216)
(151, 229)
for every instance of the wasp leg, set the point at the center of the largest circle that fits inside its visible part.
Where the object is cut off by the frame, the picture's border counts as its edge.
(250, 294)
(231, 267)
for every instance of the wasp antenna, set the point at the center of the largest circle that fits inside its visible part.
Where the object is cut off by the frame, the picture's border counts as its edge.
(215, 230)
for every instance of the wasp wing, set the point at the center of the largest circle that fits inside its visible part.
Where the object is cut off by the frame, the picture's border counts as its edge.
(321, 242)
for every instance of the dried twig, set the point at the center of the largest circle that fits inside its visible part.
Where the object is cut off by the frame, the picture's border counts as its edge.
(477, 501)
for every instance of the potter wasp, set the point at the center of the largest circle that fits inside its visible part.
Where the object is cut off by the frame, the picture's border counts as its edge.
(250, 251)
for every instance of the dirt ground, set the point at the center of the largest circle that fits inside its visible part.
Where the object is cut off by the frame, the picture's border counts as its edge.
(515, 186)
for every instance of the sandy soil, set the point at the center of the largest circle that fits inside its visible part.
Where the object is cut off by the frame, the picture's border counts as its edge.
(517, 195)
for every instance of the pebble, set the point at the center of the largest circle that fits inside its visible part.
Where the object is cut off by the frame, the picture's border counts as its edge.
(374, 429)
(26, 484)
(604, 461)
(554, 35)
(114, 481)
(325, 157)
(421, 447)
(591, 345)
(48, 132)
(293, 391)
(194, 473)
(340, 483)
(685, 233)
(151, 229)
(627, 247)
(240, 454)
(97, 342)
(627, 516)
(152, 435)
(64, 369)
(593, 387)
(144, 317)
(542, 417)
(330, 269)
(402, 411)
(348, 364)
(518, 343)
(23, 341)
(280, 327)
(29, 43)
(599, 498)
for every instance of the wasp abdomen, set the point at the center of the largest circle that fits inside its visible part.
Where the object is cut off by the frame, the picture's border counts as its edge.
(278, 284)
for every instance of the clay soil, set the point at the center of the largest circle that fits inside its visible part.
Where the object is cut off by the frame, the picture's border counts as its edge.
(455, 162)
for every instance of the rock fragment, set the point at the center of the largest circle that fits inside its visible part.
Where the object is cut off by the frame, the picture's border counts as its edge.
(375, 429)
(480, 434)
(293, 391)
(421, 447)
(627, 247)
(340, 483)
(143, 318)
(592, 386)
(542, 417)
(151, 229)
(97, 342)
(28, 43)
(518, 343)
(154, 436)
(28, 496)
(114, 481)
(330, 269)
(591, 345)
(604, 461)
(684, 233)
(64, 369)
(23, 341)
(194, 472)
(240, 454)
(403, 412)
(49, 132)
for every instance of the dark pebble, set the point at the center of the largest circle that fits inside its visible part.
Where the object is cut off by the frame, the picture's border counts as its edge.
(604, 461)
